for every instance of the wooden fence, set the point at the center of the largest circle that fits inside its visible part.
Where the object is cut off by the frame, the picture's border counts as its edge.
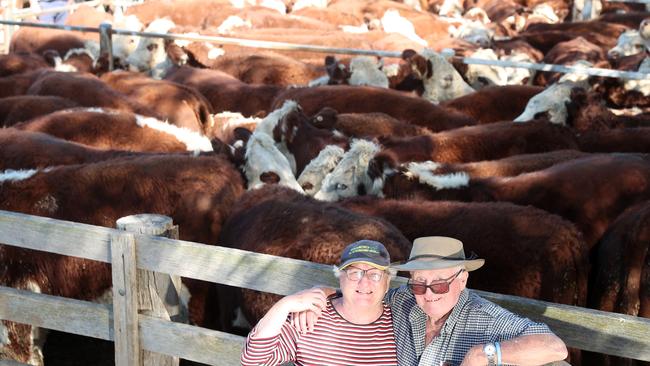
(592, 330)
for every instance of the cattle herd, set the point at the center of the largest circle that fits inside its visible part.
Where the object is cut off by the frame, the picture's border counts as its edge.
(296, 153)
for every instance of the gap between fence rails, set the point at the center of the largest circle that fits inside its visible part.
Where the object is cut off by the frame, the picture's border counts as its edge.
(591, 71)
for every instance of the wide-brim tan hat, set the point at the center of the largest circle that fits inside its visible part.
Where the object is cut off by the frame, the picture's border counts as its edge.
(438, 252)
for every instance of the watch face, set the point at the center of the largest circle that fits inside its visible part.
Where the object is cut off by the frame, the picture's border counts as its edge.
(489, 349)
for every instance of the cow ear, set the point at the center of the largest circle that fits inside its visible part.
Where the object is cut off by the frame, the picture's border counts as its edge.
(329, 61)
(429, 69)
(241, 133)
(270, 178)
(408, 53)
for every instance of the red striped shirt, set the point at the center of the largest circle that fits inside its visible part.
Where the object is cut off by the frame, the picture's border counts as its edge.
(334, 341)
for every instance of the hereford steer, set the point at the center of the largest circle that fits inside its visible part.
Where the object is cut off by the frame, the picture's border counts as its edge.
(576, 190)
(110, 129)
(227, 93)
(361, 99)
(180, 105)
(197, 192)
(87, 90)
(25, 107)
(35, 150)
(621, 281)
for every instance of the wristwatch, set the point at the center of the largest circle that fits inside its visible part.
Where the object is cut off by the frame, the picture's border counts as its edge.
(491, 353)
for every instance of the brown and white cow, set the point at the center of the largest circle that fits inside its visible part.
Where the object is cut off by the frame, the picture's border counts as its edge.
(576, 190)
(227, 93)
(359, 99)
(20, 150)
(197, 192)
(25, 107)
(111, 129)
(87, 90)
(178, 104)
(621, 271)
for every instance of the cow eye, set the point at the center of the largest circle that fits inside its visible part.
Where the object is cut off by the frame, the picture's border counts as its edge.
(152, 47)
(340, 187)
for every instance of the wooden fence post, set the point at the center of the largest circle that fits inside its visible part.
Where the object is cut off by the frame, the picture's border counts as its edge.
(158, 293)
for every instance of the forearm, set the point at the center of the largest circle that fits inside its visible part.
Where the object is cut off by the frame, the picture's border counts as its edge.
(534, 349)
(271, 324)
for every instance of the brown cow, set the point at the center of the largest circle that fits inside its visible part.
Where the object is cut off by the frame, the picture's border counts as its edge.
(621, 280)
(494, 103)
(19, 62)
(87, 90)
(361, 99)
(365, 125)
(18, 84)
(197, 192)
(35, 150)
(576, 190)
(178, 104)
(227, 93)
(289, 224)
(475, 143)
(25, 107)
(111, 129)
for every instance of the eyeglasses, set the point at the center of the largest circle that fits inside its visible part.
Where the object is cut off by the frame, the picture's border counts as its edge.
(356, 274)
(437, 287)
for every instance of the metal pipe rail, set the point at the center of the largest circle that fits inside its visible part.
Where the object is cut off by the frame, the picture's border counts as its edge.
(591, 71)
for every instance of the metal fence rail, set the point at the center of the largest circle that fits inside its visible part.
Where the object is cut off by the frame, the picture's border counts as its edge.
(591, 71)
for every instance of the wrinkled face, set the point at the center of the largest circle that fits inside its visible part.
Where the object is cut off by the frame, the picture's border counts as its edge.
(437, 306)
(364, 292)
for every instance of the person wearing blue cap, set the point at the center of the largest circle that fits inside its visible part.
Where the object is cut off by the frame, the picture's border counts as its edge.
(355, 328)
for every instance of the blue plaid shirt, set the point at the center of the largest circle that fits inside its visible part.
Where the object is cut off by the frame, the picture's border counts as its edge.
(473, 321)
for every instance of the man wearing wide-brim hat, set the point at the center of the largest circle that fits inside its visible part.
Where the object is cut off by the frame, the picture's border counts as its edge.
(438, 321)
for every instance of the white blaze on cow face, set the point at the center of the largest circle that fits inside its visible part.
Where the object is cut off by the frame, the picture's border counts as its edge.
(452, 8)
(266, 164)
(365, 70)
(351, 174)
(544, 13)
(424, 174)
(629, 43)
(552, 101)
(123, 45)
(193, 140)
(392, 22)
(480, 76)
(445, 82)
(312, 176)
(269, 123)
(150, 54)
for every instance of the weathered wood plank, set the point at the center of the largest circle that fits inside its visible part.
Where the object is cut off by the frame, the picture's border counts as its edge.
(95, 320)
(56, 236)
(125, 300)
(192, 343)
(58, 313)
(587, 329)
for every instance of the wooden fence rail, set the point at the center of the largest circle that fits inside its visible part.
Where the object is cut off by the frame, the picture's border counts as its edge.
(615, 334)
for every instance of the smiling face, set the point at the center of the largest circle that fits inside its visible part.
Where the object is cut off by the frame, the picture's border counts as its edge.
(364, 293)
(436, 306)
